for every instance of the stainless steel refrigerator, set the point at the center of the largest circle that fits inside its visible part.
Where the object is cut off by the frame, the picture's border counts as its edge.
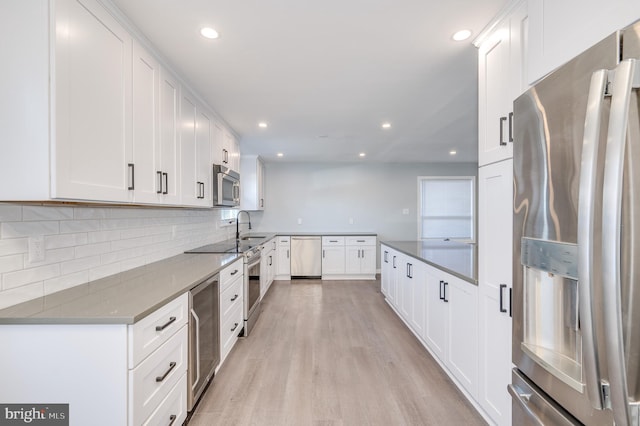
(576, 287)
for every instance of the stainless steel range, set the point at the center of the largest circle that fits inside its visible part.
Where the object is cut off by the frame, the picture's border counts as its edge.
(251, 254)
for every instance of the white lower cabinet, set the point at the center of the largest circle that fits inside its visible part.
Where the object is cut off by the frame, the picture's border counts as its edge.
(347, 257)
(109, 374)
(267, 266)
(283, 254)
(231, 307)
(440, 309)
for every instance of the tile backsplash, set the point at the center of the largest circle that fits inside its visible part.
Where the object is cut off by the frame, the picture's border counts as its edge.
(82, 244)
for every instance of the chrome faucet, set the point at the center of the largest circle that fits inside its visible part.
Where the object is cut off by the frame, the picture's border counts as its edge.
(238, 223)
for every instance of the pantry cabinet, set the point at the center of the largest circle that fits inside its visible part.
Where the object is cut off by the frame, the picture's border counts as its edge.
(500, 81)
(495, 217)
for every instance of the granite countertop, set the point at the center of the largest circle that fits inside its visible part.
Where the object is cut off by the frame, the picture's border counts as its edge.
(457, 259)
(123, 298)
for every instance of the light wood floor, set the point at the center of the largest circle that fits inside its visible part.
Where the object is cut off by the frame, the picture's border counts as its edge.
(331, 353)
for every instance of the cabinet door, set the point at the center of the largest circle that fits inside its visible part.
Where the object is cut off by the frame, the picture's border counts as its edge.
(284, 260)
(354, 255)
(495, 183)
(368, 260)
(493, 95)
(551, 44)
(393, 278)
(418, 299)
(92, 142)
(385, 270)
(204, 171)
(259, 184)
(436, 329)
(146, 82)
(190, 190)
(462, 352)
(333, 261)
(405, 284)
(218, 146)
(166, 175)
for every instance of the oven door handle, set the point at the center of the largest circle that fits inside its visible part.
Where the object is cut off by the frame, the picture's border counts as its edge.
(197, 348)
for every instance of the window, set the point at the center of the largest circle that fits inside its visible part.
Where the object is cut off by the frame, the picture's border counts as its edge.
(447, 208)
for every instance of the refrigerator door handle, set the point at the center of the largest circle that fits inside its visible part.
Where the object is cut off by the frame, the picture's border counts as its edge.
(627, 77)
(586, 230)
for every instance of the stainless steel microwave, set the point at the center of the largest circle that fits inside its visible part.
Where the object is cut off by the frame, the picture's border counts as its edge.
(226, 190)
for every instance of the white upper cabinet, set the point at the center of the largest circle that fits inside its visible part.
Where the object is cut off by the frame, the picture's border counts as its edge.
(195, 151)
(500, 81)
(146, 82)
(561, 29)
(252, 181)
(92, 115)
(92, 139)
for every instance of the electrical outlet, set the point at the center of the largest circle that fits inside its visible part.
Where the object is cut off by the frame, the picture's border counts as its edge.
(36, 249)
(299, 221)
(405, 211)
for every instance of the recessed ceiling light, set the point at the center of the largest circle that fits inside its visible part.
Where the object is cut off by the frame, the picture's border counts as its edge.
(209, 32)
(453, 152)
(362, 154)
(386, 125)
(280, 154)
(461, 35)
(262, 125)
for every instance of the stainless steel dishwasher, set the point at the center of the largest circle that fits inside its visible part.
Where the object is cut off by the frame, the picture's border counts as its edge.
(306, 257)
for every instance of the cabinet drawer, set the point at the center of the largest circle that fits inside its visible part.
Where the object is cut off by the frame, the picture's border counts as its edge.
(284, 241)
(172, 409)
(149, 333)
(230, 297)
(151, 381)
(229, 331)
(230, 273)
(332, 241)
(361, 241)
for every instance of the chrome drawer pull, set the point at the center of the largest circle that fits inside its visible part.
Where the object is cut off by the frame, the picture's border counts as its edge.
(162, 327)
(172, 365)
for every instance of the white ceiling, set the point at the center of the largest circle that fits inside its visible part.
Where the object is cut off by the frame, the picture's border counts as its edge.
(326, 74)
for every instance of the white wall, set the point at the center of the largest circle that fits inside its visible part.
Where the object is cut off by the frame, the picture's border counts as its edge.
(87, 243)
(326, 195)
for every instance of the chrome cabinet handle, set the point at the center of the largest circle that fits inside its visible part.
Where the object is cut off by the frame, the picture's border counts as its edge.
(502, 120)
(234, 327)
(172, 365)
(165, 325)
(586, 229)
(234, 297)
